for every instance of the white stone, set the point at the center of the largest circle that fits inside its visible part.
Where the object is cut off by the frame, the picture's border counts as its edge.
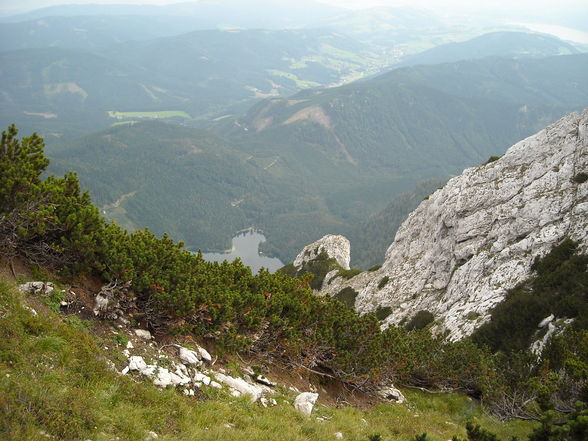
(100, 304)
(338, 435)
(204, 355)
(305, 402)
(136, 363)
(263, 380)
(143, 334)
(241, 386)
(336, 247)
(216, 385)
(465, 246)
(42, 288)
(130, 345)
(125, 371)
(546, 321)
(163, 378)
(390, 393)
(189, 357)
(201, 378)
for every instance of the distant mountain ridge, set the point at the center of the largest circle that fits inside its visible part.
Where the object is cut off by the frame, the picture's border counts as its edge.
(494, 44)
(55, 90)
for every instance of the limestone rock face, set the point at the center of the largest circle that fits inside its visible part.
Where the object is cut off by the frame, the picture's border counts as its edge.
(460, 251)
(336, 247)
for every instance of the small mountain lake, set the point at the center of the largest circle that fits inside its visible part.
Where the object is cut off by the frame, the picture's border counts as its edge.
(246, 247)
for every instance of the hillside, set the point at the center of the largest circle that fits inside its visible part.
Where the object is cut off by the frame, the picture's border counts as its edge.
(142, 306)
(473, 243)
(59, 91)
(494, 44)
(82, 397)
(383, 135)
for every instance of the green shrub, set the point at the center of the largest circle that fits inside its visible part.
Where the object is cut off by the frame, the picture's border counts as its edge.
(348, 274)
(383, 282)
(420, 320)
(383, 312)
(347, 296)
(557, 287)
(491, 159)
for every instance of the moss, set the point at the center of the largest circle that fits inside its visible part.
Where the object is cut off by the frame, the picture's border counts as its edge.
(374, 268)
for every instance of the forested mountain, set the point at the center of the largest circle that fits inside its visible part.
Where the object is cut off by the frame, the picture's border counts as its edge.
(494, 44)
(254, 14)
(325, 160)
(370, 237)
(58, 91)
(183, 181)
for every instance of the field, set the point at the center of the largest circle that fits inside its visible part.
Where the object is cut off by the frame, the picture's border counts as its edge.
(161, 114)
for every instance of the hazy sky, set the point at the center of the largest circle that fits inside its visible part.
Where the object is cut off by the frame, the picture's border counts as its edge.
(496, 5)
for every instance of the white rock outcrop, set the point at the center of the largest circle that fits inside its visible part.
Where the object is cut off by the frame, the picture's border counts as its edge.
(304, 402)
(143, 334)
(189, 357)
(37, 288)
(242, 387)
(336, 247)
(390, 393)
(460, 251)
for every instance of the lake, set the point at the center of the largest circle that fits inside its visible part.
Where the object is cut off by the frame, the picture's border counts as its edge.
(246, 247)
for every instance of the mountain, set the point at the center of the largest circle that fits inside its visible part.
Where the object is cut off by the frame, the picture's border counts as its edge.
(389, 26)
(182, 181)
(92, 31)
(468, 244)
(326, 160)
(209, 14)
(60, 91)
(494, 44)
(422, 121)
(370, 237)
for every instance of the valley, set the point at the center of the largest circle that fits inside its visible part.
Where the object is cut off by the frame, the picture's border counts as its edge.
(412, 176)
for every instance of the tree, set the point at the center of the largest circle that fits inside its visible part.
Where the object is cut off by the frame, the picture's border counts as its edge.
(21, 164)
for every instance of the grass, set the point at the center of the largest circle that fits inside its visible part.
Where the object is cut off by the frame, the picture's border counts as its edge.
(162, 114)
(54, 380)
(301, 84)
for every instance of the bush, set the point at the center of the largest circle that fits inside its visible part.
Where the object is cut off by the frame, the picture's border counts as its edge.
(491, 159)
(420, 320)
(347, 296)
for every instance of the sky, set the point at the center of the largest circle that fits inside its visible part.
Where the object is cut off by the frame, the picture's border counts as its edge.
(568, 16)
(482, 5)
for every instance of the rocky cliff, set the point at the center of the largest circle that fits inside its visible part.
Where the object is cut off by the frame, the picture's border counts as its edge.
(460, 251)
